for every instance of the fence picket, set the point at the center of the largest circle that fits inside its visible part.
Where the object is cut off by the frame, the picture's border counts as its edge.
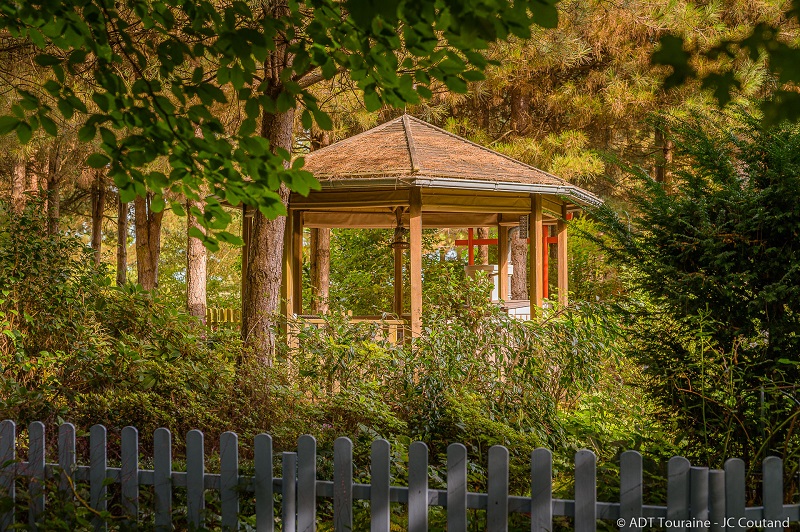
(97, 474)
(229, 480)
(456, 488)
(735, 497)
(630, 490)
(698, 493)
(541, 490)
(195, 478)
(772, 491)
(162, 478)
(585, 491)
(289, 491)
(36, 463)
(418, 487)
(695, 495)
(129, 474)
(380, 507)
(8, 468)
(265, 516)
(342, 485)
(716, 499)
(497, 490)
(678, 492)
(66, 460)
(306, 484)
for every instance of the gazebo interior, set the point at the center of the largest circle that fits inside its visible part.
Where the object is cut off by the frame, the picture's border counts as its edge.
(408, 174)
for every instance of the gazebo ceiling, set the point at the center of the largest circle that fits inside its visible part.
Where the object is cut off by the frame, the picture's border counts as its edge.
(407, 151)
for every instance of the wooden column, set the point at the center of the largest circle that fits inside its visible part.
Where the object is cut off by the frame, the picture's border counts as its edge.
(563, 271)
(535, 257)
(398, 281)
(287, 282)
(415, 237)
(502, 262)
(297, 262)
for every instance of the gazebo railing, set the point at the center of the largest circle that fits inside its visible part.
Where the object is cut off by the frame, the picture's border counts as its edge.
(391, 329)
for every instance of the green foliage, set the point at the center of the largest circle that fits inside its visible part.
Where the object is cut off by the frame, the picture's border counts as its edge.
(717, 262)
(76, 348)
(161, 72)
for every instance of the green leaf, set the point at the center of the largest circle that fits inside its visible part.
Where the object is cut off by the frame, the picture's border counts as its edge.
(46, 60)
(8, 124)
(97, 160)
(24, 132)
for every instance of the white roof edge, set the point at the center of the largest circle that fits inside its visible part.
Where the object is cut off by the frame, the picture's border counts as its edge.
(579, 195)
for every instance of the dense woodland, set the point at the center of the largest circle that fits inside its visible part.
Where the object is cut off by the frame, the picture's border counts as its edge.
(681, 334)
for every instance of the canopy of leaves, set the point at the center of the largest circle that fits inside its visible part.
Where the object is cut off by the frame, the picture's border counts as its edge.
(159, 71)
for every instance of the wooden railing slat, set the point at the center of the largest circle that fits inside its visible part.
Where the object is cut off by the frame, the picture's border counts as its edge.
(380, 507)
(8, 469)
(541, 490)
(343, 485)
(456, 488)
(162, 478)
(265, 517)
(418, 487)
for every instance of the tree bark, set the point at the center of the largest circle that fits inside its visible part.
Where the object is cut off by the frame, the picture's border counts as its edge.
(264, 263)
(320, 269)
(122, 242)
(196, 267)
(519, 110)
(53, 191)
(148, 241)
(483, 250)
(18, 184)
(660, 173)
(519, 258)
(98, 207)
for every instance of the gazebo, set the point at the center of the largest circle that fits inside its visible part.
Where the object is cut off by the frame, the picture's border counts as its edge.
(408, 173)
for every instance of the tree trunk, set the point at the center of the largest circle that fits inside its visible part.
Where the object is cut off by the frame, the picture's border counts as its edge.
(98, 207)
(18, 184)
(483, 250)
(519, 258)
(148, 241)
(53, 192)
(519, 110)
(320, 269)
(122, 242)
(196, 266)
(660, 173)
(264, 263)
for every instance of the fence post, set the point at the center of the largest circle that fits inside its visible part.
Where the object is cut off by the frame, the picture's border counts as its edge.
(195, 478)
(456, 488)
(265, 517)
(418, 487)
(541, 490)
(735, 497)
(306, 484)
(380, 471)
(66, 461)
(585, 491)
(678, 491)
(630, 490)
(8, 469)
(36, 463)
(162, 478)
(289, 492)
(342, 485)
(698, 495)
(772, 491)
(98, 465)
(129, 474)
(229, 480)
(497, 490)
(716, 496)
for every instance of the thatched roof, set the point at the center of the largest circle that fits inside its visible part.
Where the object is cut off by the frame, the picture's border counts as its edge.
(407, 150)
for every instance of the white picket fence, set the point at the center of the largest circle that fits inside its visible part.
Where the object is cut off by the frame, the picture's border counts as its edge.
(697, 498)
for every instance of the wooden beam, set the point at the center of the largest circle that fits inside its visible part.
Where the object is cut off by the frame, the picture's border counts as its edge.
(536, 277)
(563, 264)
(287, 282)
(415, 227)
(502, 259)
(349, 199)
(297, 262)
